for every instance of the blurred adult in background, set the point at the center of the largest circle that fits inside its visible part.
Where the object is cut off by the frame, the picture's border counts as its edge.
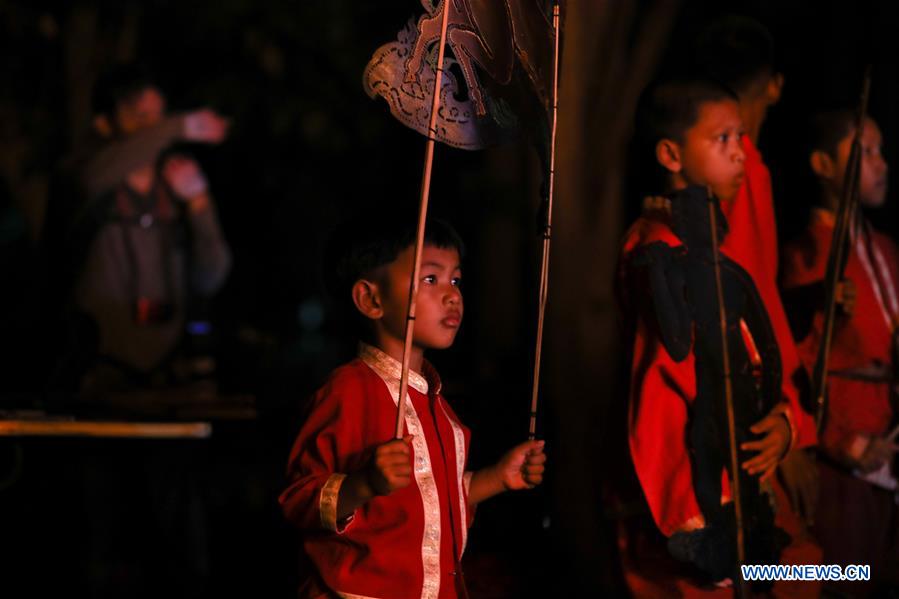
(140, 237)
(136, 244)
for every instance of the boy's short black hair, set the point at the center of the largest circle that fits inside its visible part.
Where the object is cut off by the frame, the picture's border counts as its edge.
(119, 83)
(735, 50)
(357, 248)
(828, 128)
(666, 110)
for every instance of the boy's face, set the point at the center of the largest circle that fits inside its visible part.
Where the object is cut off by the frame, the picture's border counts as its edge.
(873, 182)
(712, 151)
(144, 109)
(438, 310)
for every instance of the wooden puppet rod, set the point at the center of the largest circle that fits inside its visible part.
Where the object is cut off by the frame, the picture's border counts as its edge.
(839, 251)
(739, 583)
(547, 229)
(422, 218)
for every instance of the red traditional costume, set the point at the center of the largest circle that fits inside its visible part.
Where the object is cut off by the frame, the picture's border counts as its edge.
(659, 454)
(751, 242)
(662, 390)
(858, 519)
(406, 544)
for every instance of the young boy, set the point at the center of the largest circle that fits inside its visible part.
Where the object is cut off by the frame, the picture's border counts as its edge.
(857, 514)
(739, 53)
(678, 434)
(382, 517)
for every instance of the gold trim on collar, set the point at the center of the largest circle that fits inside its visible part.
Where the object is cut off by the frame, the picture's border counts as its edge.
(390, 369)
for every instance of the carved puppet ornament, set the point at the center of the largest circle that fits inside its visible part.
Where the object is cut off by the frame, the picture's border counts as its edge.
(493, 42)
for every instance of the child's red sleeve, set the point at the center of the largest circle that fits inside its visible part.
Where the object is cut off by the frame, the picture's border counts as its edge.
(329, 446)
(661, 392)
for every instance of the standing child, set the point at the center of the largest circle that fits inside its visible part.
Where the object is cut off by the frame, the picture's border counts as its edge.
(382, 517)
(738, 52)
(678, 432)
(858, 522)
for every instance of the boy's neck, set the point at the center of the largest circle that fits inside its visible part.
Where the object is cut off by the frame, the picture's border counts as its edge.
(830, 202)
(393, 347)
(677, 182)
(829, 199)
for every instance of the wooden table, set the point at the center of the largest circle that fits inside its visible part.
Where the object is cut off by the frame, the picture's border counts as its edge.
(54, 427)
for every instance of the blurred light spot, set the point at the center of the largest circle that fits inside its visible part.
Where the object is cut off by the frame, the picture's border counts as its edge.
(199, 327)
(311, 315)
(48, 26)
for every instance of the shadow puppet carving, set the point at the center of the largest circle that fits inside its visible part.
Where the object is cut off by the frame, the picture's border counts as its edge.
(503, 49)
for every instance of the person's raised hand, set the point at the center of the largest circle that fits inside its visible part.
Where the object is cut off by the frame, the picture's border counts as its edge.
(205, 126)
(184, 176)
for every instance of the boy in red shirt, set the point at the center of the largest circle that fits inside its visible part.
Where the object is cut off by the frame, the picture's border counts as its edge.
(678, 440)
(739, 53)
(382, 517)
(857, 521)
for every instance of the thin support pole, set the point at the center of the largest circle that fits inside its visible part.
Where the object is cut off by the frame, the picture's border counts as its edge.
(422, 218)
(839, 251)
(739, 584)
(547, 230)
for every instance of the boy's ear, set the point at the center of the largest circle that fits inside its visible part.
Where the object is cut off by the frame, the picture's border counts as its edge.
(102, 126)
(668, 155)
(822, 164)
(775, 88)
(367, 298)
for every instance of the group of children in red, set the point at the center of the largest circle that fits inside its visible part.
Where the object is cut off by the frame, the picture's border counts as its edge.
(701, 132)
(389, 518)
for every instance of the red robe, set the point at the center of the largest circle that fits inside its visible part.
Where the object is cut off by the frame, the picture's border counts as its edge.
(751, 242)
(663, 389)
(661, 393)
(856, 520)
(862, 341)
(409, 543)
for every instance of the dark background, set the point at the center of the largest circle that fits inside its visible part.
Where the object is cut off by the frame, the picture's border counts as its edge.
(308, 148)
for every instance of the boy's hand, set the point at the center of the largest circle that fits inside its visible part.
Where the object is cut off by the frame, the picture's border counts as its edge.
(771, 447)
(522, 467)
(390, 467)
(845, 295)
